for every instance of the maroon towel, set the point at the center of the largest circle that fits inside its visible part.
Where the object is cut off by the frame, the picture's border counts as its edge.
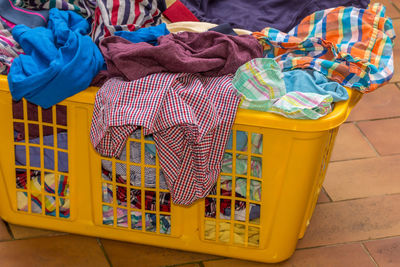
(208, 53)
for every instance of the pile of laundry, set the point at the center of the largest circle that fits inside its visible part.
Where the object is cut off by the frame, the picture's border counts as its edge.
(171, 73)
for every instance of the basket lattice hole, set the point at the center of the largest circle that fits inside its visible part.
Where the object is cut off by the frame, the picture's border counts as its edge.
(122, 217)
(50, 205)
(240, 211)
(209, 230)
(32, 112)
(224, 234)
(227, 163)
(106, 170)
(63, 207)
(165, 202)
(20, 155)
(254, 214)
(226, 185)
(48, 159)
(108, 215)
(151, 222)
(256, 167)
(47, 115)
(48, 136)
(150, 154)
(256, 143)
(253, 236)
(150, 200)
(241, 164)
(33, 131)
(165, 224)
(135, 197)
(120, 169)
(135, 152)
(121, 195)
(210, 207)
(136, 220)
(19, 132)
(107, 193)
(225, 209)
(255, 190)
(22, 201)
(239, 233)
(241, 141)
(62, 138)
(150, 177)
(241, 187)
(20, 178)
(61, 115)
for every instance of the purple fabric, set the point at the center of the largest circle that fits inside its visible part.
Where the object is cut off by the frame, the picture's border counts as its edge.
(255, 15)
(208, 53)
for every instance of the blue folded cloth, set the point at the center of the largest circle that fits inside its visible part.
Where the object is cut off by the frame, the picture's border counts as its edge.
(60, 60)
(310, 81)
(148, 35)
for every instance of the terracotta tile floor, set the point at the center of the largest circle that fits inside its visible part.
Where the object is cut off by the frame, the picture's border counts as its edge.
(356, 222)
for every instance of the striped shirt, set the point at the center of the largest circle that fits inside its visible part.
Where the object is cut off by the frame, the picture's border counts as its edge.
(123, 15)
(351, 46)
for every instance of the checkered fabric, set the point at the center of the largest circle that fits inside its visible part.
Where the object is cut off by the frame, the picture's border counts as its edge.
(349, 45)
(123, 15)
(189, 115)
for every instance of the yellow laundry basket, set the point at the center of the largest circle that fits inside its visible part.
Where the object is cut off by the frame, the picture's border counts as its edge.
(78, 196)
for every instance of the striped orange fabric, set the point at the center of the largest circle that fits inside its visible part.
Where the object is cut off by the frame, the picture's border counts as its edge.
(351, 46)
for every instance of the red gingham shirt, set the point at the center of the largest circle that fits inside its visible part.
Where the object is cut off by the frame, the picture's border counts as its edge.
(189, 115)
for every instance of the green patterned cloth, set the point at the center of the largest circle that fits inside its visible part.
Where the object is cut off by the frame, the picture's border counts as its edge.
(261, 86)
(259, 83)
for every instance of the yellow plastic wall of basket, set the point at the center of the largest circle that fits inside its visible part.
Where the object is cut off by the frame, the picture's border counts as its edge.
(294, 158)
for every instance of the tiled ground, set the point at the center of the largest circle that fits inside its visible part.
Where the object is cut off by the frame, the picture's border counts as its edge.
(356, 222)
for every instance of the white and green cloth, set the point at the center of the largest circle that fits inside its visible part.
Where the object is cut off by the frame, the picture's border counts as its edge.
(262, 86)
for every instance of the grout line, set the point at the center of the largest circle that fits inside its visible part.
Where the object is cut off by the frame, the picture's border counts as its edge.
(395, 7)
(326, 193)
(9, 230)
(369, 254)
(200, 263)
(368, 141)
(342, 160)
(104, 251)
(348, 242)
(377, 119)
(358, 198)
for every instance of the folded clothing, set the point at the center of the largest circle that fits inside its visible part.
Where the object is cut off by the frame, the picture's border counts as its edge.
(207, 53)
(190, 117)
(310, 81)
(254, 15)
(59, 61)
(148, 35)
(19, 15)
(82, 7)
(297, 94)
(179, 12)
(48, 154)
(354, 49)
(9, 48)
(124, 15)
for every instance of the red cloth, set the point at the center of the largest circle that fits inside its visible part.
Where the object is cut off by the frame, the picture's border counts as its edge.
(179, 12)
